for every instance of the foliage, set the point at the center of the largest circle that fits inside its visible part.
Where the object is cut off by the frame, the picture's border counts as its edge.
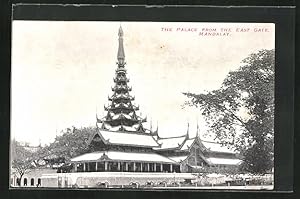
(71, 143)
(21, 159)
(241, 112)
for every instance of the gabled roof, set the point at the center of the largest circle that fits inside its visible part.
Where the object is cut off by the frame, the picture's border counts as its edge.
(209, 145)
(126, 138)
(123, 156)
(216, 147)
(171, 142)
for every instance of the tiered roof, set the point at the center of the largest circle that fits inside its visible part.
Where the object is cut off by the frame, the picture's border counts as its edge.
(217, 147)
(121, 126)
(121, 112)
(183, 143)
(213, 150)
(126, 138)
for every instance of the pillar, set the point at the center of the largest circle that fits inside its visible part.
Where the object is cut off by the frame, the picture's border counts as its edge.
(154, 167)
(148, 167)
(105, 166)
(134, 166)
(141, 167)
(126, 166)
(195, 156)
(161, 167)
(96, 167)
(75, 167)
(84, 168)
(119, 166)
(171, 168)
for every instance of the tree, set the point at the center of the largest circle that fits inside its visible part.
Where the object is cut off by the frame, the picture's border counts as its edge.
(21, 158)
(71, 143)
(241, 112)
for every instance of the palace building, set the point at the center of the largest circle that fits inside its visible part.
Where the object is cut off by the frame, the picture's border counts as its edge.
(123, 144)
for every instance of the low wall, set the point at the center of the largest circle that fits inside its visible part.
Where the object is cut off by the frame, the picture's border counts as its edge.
(91, 179)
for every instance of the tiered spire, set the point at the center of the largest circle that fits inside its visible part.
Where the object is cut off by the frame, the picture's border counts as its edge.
(121, 112)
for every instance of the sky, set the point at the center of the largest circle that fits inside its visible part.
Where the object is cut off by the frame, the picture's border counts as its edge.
(62, 71)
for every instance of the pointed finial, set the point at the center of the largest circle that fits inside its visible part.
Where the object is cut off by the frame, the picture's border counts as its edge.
(121, 53)
(197, 133)
(103, 126)
(151, 124)
(96, 114)
(156, 132)
(120, 31)
(188, 130)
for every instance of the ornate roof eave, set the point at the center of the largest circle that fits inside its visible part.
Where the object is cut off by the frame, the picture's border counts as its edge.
(181, 136)
(120, 88)
(140, 128)
(166, 149)
(119, 120)
(106, 108)
(107, 142)
(108, 116)
(131, 98)
(136, 107)
(123, 79)
(122, 106)
(144, 146)
(142, 120)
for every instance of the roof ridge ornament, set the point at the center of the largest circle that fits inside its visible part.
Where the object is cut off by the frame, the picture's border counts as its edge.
(188, 131)
(103, 126)
(151, 125)
(197, 132)
(97, 119)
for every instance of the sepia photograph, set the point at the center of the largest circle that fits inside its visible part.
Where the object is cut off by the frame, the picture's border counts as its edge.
(142, 105)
